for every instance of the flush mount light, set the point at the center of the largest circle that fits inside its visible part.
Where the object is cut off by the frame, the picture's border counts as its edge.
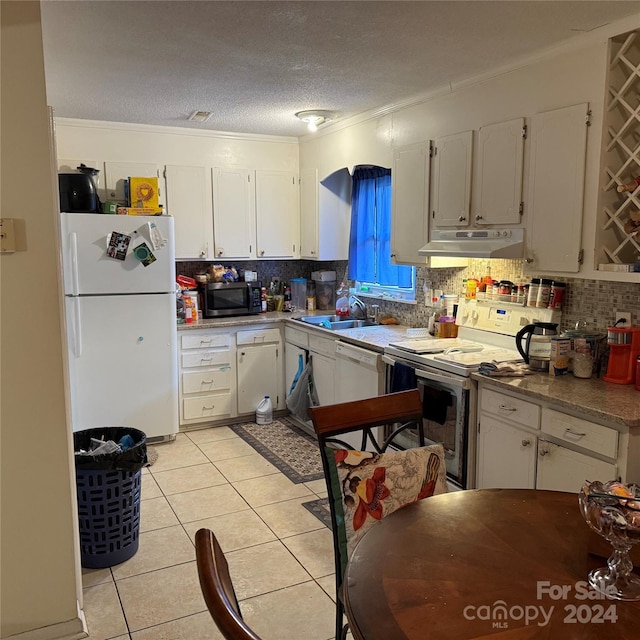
(315, 118)
(200, 116)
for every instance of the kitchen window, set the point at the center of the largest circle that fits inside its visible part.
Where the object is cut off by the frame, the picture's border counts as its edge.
(370, 263)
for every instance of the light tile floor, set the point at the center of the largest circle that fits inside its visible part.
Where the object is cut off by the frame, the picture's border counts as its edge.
(280, 555)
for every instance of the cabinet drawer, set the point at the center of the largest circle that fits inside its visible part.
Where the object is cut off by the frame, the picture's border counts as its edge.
(296, 336)
(199, 381)
(580, 432)
(258, 336)
(197, 340)
(325, 346)
(204, 359)
(515, 410)
(206, 406)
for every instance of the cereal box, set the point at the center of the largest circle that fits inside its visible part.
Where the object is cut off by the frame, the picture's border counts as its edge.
(143, 193)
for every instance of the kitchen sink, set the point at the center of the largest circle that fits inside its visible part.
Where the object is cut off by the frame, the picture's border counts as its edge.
(337, 322)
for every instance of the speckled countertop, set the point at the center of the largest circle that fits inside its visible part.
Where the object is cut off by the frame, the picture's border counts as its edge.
(605, 402)
(612, 403)
(375, 338)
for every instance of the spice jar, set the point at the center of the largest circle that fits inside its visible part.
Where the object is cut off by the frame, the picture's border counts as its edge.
(544, 292)
(532, 296)
(557, 294)
(582, 359)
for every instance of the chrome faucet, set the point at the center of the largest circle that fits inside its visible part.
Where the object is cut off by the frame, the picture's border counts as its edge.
(375, 308)
(357, 307)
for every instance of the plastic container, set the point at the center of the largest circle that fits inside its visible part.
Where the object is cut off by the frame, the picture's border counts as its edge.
(299, 293)
(264, 411)
(325, 295)
(544, 293)
(108, 489)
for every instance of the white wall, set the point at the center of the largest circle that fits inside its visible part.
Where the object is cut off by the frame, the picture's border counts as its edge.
(38, 571)
(567, 78)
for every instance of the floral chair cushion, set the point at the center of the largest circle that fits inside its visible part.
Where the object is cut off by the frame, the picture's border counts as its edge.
(369, 486)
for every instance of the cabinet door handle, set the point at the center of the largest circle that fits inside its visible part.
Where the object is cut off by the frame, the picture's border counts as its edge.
(206, 382)
(569, 432)
(213, 406)
(528, 260)
(478, 218)
(262, 252)
(543, 452)
(462, 218)
(504, 407)
(526, 443)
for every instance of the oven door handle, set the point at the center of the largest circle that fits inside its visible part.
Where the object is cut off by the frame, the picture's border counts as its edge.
(458, 382)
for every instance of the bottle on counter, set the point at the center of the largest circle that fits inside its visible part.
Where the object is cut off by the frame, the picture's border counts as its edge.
(264, 300)
(342, 303)
(287, 298)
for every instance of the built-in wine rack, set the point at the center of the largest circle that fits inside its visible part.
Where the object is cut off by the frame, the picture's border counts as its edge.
(619, 228)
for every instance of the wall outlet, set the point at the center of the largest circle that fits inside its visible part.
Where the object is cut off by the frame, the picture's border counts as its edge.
(624, 315)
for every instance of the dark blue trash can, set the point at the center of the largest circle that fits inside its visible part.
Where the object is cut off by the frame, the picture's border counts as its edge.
(108, 489)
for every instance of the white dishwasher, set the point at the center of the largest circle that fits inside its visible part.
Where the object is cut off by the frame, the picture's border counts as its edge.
(359, 375)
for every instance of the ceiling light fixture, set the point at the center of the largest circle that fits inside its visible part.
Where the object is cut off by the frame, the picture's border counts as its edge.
(315, 118)
(200, 116)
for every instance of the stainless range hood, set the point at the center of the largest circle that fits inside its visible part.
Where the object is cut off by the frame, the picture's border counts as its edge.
(475, 243)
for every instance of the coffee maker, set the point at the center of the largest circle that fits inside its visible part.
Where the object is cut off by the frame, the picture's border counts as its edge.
(624, 348)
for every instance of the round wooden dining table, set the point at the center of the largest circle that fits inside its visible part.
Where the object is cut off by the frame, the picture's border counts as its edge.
(491, 563)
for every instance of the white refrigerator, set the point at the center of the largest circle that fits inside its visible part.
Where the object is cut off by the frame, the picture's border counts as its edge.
(120, 306)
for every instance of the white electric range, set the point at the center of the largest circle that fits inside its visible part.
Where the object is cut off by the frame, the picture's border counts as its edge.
(443, 367)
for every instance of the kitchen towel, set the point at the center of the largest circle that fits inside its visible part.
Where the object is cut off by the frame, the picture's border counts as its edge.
(434, 404)
(504, 369)
(403, 378)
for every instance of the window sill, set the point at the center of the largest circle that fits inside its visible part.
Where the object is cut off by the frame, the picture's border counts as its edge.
(382, 296)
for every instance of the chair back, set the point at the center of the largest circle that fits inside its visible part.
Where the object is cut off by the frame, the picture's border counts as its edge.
(217, 588)
(363, 486)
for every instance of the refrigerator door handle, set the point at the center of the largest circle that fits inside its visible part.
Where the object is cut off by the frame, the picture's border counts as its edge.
(73, 246)
(77, 328)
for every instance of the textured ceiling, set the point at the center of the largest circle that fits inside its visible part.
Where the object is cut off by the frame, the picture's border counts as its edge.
(254, 64)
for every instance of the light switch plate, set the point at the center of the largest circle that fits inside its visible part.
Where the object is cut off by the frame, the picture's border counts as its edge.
(7, 236)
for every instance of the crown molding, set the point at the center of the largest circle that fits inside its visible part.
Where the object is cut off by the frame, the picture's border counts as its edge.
(179, 131)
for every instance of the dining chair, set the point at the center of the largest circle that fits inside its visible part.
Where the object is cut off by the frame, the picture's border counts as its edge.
(364, 486)
(217, 588)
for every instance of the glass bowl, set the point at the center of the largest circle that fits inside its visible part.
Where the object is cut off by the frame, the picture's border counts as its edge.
(612, 510)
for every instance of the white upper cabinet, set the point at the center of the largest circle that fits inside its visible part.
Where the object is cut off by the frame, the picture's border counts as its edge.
(309, 214)
(410, 203)
(277, 214)
(189, 202)
(452, 180)
(556, 189)
(234, 229)
(500, 158)
(115, 174)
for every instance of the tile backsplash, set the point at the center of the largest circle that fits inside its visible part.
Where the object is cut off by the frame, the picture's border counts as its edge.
(593, 301)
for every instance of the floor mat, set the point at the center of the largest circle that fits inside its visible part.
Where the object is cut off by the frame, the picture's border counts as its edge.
(320, 509)
(285, 446)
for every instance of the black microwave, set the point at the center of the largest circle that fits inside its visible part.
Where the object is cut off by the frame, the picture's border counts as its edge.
(231, 299)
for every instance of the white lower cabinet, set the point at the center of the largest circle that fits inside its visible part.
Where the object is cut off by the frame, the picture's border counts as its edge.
(506, 455)
(527, 445)
(207, 376)
(323, 366)
(224, 373)
(561, 469)
(259, 368)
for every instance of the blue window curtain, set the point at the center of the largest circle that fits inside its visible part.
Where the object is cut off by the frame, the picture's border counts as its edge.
(370, 237)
